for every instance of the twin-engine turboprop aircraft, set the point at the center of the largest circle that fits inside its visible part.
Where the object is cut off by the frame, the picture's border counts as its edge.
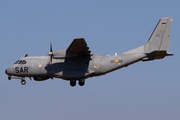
(77, 62)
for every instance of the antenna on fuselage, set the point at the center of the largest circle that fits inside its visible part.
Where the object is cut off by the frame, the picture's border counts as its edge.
(26, 55)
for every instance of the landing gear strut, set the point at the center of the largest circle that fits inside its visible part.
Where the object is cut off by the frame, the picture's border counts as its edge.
(9, 77)
(23, 82)
(73, 82)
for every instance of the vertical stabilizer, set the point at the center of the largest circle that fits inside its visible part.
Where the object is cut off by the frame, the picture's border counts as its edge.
(160, 38)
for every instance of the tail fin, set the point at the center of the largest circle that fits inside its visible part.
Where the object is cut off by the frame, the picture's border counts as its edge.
(157, 46)
(160, 37)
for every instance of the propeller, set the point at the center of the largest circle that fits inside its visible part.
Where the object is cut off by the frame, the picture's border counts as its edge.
(51, 55)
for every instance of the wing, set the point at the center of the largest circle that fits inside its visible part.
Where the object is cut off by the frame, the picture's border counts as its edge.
(79, 46)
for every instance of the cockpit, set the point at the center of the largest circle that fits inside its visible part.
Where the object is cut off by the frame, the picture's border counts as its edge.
(20, 62)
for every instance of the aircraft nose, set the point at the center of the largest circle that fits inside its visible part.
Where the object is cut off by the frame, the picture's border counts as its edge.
(9, 70)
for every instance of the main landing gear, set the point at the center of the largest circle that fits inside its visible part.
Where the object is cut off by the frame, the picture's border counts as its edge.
(73, 82)
(81, 81)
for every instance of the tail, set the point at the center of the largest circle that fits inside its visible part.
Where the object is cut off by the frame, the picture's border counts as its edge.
(157, 46)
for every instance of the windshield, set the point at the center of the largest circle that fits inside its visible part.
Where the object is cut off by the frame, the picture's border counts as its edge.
(16, 62)
(20, 62)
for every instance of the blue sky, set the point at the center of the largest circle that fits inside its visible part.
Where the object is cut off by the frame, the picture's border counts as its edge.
(142, 91)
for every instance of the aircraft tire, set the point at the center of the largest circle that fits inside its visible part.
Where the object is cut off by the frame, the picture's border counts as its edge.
(81, 82)
(73, 82)
(23, 82)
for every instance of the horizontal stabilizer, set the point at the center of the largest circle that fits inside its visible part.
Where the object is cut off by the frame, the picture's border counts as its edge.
(156, 55)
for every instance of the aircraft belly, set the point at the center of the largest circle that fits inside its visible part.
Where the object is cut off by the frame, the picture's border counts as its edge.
(70, 69)
(69, 73)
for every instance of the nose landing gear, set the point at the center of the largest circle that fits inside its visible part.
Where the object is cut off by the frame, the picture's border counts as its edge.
(23, 81)
(9, 77)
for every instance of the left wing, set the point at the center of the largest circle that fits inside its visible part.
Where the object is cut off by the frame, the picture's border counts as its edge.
(79, 46)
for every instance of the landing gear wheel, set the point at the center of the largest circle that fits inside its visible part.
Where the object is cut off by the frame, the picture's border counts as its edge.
(81, 82)
(23, 82)
(72, 82)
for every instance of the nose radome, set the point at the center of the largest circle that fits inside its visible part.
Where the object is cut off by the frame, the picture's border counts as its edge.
(6, 71)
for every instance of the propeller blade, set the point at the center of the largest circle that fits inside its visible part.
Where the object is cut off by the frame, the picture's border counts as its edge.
(50, 54)
(50, 62)
(51, 47)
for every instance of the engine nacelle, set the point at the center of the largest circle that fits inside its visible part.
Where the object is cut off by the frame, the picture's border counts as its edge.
(40, 78)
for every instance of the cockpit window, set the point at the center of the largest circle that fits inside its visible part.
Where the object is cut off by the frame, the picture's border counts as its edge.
(23, 62)
(16, 62)
(20, 62)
